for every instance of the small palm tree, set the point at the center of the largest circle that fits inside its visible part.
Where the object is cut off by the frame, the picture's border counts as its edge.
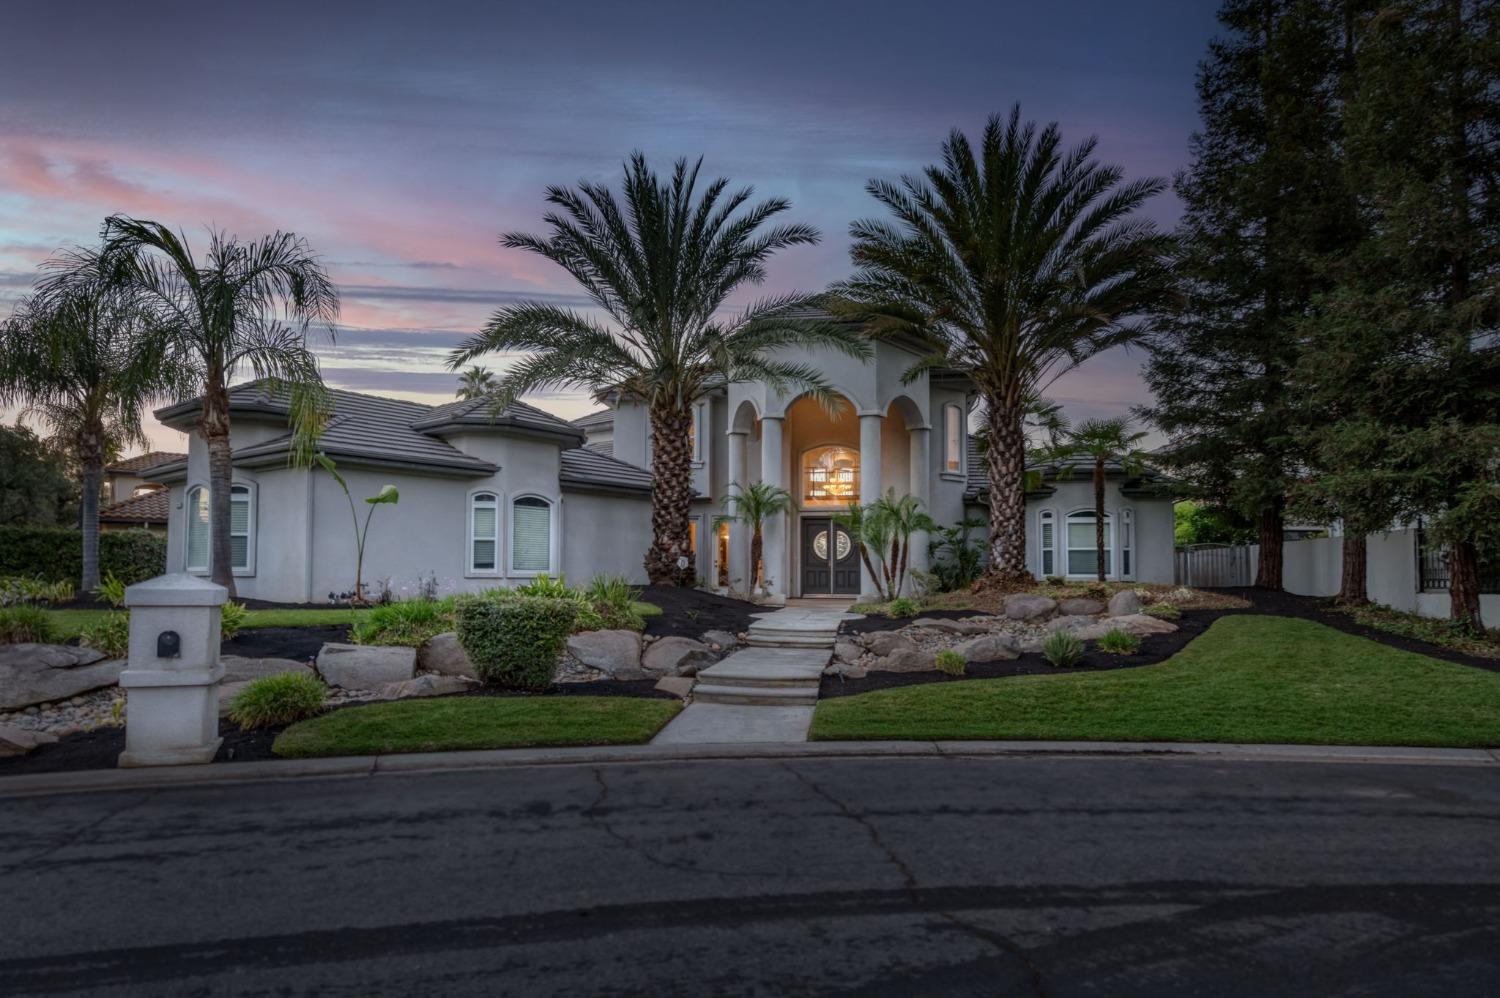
(753, 506)
(885, 527)
(245, 305)
(83, 352)
(1016, 263)
(475, 383)
(1102, 441)
(660, 269)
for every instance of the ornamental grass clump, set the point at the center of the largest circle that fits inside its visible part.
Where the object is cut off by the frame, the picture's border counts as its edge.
(110, 634)
(232, 617)
(1118, 642)
(272, 701)
(951, 662)
(411, 623)
(1163, 611)
(515, 642)
(1063, 649)
(22, 624)
(901, 607)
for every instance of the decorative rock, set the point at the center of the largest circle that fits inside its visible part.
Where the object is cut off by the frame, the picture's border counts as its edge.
(884, 643)
(1094, 631)
(857, 671)
(615, 653)
(444, 655)
(19, 741)
(975, 626)
(238, 669)
(1141, 624)
(1024, 606)
(1080, 607)
(677, 656)
(1069, 623)
(1029, 646)
(678, 686)
(33, 673)
(426, 685)
(227, 692)
(1124, 603)
(847, 651)
(365, 667)
(905, 660)
(986, 648)
(724, 639)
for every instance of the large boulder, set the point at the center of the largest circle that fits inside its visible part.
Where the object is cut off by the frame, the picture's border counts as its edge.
(720, 640)
(905, 660)
(847, 651)
(1069, 623)
(677, 656)
(426, 685)
(1025, 606)
(975, 625)
(444, 655)
(1142, 624)
(238, 669)
(1124, 603)
(32, 673)
(1080, 607)
(617, 654)
(884, 643)
(987, 648)
(18, 741)
(365, 667)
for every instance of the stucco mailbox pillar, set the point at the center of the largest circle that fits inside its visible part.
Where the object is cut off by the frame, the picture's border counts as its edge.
(172, 712)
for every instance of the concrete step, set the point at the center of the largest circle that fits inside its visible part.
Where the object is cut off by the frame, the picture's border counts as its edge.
(767, 696)
(781, 641)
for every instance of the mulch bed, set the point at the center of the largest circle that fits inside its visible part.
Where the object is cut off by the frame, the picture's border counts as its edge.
(297, 643)
(689, 612)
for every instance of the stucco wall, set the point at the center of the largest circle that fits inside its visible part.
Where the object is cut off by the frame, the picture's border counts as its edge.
(605, 534)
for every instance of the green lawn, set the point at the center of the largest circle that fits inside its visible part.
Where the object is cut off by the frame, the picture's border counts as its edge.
(1245, 679)
(70, 623)
(453, 723)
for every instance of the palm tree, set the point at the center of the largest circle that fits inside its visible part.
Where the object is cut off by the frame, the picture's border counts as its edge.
(1102, 441)
(83, 352)
(753, 506)
(246, 304)
(885, 527)
(1016, 265)
(660, 269)
(475, 383)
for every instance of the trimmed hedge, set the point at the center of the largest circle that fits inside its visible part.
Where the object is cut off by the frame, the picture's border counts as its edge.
(56, 554)
(515, 641)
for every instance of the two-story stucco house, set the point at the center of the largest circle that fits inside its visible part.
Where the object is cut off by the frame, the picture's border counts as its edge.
(489, 501)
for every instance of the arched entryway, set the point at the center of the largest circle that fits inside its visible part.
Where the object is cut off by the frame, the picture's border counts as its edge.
(823, 448)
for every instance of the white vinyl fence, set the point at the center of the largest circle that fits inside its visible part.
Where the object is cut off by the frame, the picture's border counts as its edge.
(1217, 566)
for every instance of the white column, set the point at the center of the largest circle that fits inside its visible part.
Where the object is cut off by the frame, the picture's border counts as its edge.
(919, 461)
(773, 472)
(739, 537)
(870, 487)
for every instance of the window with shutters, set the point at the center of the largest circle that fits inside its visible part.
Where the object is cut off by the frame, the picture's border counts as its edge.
(484, 534)
(1047, 540)
(197, 529)
(530, 535)
(242, 529)
(1083, 544)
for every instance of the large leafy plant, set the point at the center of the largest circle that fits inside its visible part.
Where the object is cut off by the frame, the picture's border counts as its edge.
(387, 496)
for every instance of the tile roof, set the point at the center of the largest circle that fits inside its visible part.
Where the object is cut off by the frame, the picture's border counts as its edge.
(477, 413)
(583, 466)
(596, 420)
(977, 484)
(134, 465)
(148, 507)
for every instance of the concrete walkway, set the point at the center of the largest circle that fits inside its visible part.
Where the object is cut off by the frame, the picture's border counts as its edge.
(766, 692)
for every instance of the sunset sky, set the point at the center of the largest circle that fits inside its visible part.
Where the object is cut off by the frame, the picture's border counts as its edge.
(401, 140)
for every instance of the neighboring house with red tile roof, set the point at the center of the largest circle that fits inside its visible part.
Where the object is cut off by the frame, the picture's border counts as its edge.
(149, 510)
(123, 479)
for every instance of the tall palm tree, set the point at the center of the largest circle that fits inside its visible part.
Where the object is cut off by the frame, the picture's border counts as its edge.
(661, 269)
(1102, 441)
(85, 354)
(753, 505)
(244, 305)
(475, 383)
(1016, 264)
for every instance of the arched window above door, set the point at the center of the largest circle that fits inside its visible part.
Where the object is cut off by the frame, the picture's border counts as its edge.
(830, 476)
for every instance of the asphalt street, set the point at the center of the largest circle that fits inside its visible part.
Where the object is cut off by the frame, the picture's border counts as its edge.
(922, 876)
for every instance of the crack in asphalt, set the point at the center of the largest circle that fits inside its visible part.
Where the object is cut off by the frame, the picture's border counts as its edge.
(79, 833)
(914, 888)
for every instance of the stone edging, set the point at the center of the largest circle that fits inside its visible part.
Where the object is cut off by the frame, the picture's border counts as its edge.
(32, 784)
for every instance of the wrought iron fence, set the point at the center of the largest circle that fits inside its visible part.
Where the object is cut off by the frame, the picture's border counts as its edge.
(1432, 568)
(1216, 565)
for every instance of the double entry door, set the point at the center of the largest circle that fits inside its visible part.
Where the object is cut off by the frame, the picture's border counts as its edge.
(830, 564)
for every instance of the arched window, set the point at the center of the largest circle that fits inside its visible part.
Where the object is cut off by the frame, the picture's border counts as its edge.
(1047, 541)
(1083, 550)
(1127, 543)
(484, 533)
(953, 440)
(531, 535)
(242, 529)
(830, 476)
(197, 529)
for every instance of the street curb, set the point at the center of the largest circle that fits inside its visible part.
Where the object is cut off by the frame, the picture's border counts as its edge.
(166, 777)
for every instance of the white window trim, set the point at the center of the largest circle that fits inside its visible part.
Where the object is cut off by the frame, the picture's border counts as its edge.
(252, 538)
(470, 572)
(1042, 518)
(1126, 530)
(1111, 553)
(962, 443)
(699, 433)
(187, 533)
(554, 534)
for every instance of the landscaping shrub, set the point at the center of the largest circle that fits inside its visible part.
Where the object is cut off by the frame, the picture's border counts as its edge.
(232, 617)
(111, 590)
(21, 624)
(951, 662)
(1055, 580)
(1118, 642)
(1063, 649)
(515, 642)
(1097, 590)
(612, 589)
(411, 622)
(16, 590)
(56, 553)
(110, 634)
(1433, 630)
(279, 699)
(610, 605)
(901, 607)
(1163, 611)
(546, 586)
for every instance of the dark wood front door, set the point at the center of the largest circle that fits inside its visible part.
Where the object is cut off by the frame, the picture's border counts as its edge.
(830, 564)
